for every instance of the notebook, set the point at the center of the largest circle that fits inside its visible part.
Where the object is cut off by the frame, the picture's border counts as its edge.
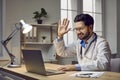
(34, 63)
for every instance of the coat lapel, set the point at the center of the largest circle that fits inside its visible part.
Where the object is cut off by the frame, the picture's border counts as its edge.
(90, 47)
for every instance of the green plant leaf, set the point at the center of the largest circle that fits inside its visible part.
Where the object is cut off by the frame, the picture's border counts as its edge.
(38, 15)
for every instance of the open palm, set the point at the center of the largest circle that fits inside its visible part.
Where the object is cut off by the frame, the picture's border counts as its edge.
(63, 27)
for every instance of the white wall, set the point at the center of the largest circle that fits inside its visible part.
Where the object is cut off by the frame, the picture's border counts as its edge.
(3, 18)
(23, 9)
(0, 26)
(111, 23)
(118, 26)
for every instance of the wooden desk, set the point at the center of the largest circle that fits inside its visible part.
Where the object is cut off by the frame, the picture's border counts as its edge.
(4, 62)
(22, 70)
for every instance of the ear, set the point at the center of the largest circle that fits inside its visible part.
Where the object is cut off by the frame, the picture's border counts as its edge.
(91, 27)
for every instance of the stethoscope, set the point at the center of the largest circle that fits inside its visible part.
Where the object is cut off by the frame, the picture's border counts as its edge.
(94, 40)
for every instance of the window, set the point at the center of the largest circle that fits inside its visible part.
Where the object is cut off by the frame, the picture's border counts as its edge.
(94, 8)
(1, 28)
(69, 10)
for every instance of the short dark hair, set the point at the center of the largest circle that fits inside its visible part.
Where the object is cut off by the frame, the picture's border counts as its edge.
(86, 18)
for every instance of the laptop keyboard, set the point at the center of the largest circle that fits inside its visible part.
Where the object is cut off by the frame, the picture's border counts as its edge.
(50, 71)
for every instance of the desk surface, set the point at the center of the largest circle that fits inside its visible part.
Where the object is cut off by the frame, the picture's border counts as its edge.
(22, 70)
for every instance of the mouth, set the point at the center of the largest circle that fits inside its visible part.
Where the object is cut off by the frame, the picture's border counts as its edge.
(80, 36)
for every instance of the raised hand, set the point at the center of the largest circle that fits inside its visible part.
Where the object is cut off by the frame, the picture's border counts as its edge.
(63, 27)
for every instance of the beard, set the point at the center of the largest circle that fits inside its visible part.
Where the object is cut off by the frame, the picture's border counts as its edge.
(83, 36)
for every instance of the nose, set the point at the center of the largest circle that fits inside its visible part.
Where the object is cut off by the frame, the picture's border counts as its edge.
(78, 30)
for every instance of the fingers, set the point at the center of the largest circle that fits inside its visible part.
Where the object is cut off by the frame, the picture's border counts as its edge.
(64, 23)
(67, 68)
(63, 68)
(59, 25)
(62, 27)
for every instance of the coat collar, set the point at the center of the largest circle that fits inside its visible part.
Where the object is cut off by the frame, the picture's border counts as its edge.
(89, 40)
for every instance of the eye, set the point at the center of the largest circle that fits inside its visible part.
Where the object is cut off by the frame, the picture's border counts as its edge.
(77, 29)
(82, 28)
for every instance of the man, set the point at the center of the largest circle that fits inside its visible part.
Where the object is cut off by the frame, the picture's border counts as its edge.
(93, 52)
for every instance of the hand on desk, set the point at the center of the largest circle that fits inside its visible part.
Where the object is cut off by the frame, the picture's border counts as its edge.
(67, 68)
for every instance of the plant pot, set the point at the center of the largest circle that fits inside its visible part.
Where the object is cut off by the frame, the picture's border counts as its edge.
(39, 21)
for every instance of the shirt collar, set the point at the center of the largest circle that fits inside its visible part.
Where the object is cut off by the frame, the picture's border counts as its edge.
(91, 38)
(83, 43)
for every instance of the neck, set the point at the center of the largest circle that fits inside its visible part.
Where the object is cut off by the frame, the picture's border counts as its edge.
(89, 36)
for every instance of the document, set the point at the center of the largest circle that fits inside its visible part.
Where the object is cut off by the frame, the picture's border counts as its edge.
(87, 74)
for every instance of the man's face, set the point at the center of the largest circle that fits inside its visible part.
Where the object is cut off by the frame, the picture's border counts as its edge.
(83, 31)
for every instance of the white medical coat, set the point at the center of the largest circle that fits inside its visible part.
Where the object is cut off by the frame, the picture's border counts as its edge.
(97, 57)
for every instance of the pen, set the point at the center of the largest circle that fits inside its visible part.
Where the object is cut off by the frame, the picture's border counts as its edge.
(84, 75)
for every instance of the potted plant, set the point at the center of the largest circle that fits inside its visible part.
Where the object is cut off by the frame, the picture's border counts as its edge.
(38, 16)
(43, 39)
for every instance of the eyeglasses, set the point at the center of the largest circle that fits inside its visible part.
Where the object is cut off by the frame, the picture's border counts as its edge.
(77, 29)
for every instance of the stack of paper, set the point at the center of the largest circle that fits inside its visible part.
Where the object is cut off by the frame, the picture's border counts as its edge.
(87, 74)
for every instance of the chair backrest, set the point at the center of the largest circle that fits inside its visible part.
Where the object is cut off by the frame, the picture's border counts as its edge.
(115, 64)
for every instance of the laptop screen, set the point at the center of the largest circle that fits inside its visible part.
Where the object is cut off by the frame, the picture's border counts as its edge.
(34, 61)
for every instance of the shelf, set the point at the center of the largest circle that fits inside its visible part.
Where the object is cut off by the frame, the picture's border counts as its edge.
(34, 40)
(39, 30)
(44, 25)
(37, 43)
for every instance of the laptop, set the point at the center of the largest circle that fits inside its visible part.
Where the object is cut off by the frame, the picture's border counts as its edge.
(34, 63)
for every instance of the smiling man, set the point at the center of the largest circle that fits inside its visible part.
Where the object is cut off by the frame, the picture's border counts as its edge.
(92, 51)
